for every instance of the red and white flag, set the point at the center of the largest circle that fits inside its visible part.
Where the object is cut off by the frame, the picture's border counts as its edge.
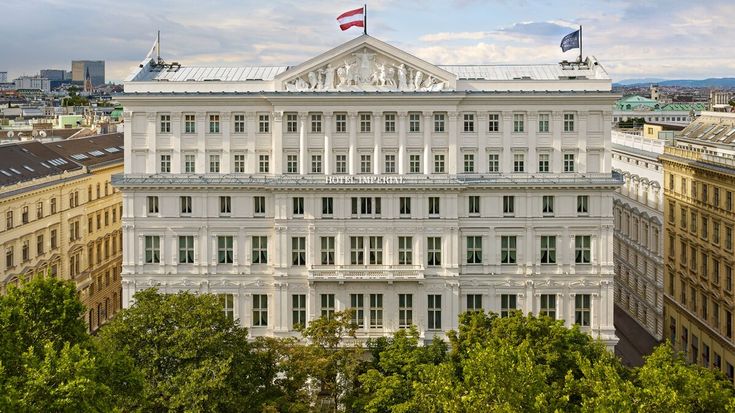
(352, 18)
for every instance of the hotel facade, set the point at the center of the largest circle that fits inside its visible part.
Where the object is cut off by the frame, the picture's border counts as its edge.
(369, 179)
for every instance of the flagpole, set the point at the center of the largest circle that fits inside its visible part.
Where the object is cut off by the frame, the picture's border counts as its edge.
(580, 43)
(158, 46)
(364, 19)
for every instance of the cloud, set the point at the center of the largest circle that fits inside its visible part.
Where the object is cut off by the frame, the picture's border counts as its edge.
(446, 36)
(544, 28)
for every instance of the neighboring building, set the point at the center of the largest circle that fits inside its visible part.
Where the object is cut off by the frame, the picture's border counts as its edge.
(62, 216)
(33, 82)
(655, 94)
(661, 130)
(367, 178)
(3, 77)
(96, 70)
(650, 110)
(719, 101)
(699, 173)
(54, 74)
(638, 211)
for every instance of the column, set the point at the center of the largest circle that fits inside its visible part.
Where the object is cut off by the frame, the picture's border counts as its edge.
(202, 161)
(226, 142)
(277, 145)
(427, 142)
(176, 143)
(377, 142)
(556, 128)
(150, 137)
(303, 170)
(327, 161)
(606, 158)
(402, 143)
(452, 159)
(252, 128)
(352, 154)
(482, 126)
(582, 141)
(128, 142)
(506, 129)
(531, 128)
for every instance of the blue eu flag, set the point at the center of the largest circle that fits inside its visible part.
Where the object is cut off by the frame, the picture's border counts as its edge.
(570, 41)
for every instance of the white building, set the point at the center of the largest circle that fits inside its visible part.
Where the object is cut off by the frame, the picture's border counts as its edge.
(367, 178)
(33, 82)
(639, 217)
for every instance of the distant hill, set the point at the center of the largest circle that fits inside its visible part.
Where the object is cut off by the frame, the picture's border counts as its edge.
(716, 82)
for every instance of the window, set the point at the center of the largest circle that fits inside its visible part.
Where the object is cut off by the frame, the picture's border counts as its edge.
(405, 250)
(434, 251)
(292, 164)
(474, 250)
(152, 249)
(213, 123)
(728, 201)
(390, 164)
(292, 123)
(469, 163)
(582, 249)
(365, 123)
(214, 163)
(239, 164)
(376, 250)
(493, 124)
(414, 122)
(340, 123)
(190, 124)
(439, 123)
(239, 123)
(582, 309)
(298, 205)
(186, 249)
(357, 251)
(474, 302)
(728, 238)
(405, 310)
(263, 123)
(414, 164)
(357, 304)
(547, 205)
(507, 304)
(54, 239)
(224, 249)
(376, 310)
(547, 305)
(583, 204)
(366, 206)
(25, 251)
(227, 302)
(434, 312)
(366, 166)
(9, 220)
(9, 257)
(316, 164)
(189, 163)
(152, 202)
(316, 123)
(508, 249)
(715, 232)
(518, 122)
(341, 164)
(165, 123)
(260, 250)
(508, 205)
(548, 249)
(327, 307)
(327, 205)
(225, 205)
(390, 123)
(165, 164)
(260, 310)
(543, 122)
(543, 162)
(728, 324)
(439, 164)
(39, 244)
(568, 162)
(493, 162)
(519, 161)
(469, 122)
(259, 205)
(53, 205)
(263, 164)
(404, 204)
(705, 229)
(473, 207)
(433, 206)
(327, 250)
(569, 122)
(298, 310)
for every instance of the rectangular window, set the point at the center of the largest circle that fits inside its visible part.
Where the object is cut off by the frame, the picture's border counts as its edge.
(316, 123)
(473, 205)
(186, 249)
(9, 257)
(357, 305)
(469, 122)
(569, 122)
(543, 162)
(376, 310)
(292, 123)
(414, 164)
(390, 164)
(189, 164)
(433, 207)
(414, 122)
(507, 304)
(340, 122)
(568, 162)
(366, 165)
(298, 251)
(434, 251)
(518, 122)
(214, 163)
(474, 302)
(53, 205)
(316, 164)
(327, 306)
(509, 205)
(298, 311)
(298, 205)
(405, 250)
(263, 123)
(583, 204)
(493, 124)
(547, 205)
(365, 123)
(543, 122)
(263, 164)
(152, 249)
(225, 205)
(582, 249)
(439, 164)
(327, 250)
(519, 161)
(260, 249)
(357, 250)
(508, 249)
(405, 310)
(54, 239)
(213, 123)
(341, 164)
(240, 123)
(376, 250)
(190, 124)
(469, 163)
(165, 124)
(439, 123)
(582, 309)
(152, 202)
(224, 249)
(292, 164)
(327, 206)
(165, 164)
(259, 205)
(434, 312)
(390, 123)
(474, 250)
(39, 245)
(260, 310)
(404, 204)
(547, 306)
(548, 249)
(493, 162)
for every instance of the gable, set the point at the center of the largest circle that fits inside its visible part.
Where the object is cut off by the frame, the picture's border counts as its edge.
(365, 64)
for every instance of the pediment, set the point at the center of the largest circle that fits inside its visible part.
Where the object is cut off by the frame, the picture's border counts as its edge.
(365, 64)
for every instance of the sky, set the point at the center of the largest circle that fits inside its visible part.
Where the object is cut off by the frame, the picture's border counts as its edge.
(671, 39)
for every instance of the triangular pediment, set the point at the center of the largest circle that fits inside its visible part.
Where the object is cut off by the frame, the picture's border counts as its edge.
(365, 64)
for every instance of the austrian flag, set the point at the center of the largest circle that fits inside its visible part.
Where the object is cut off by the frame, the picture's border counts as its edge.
(352, 18)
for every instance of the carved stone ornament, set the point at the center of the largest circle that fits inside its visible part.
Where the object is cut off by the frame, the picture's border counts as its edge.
(365, 71)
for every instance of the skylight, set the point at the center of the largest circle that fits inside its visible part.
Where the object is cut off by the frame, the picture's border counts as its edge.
(79, 156)
(112, 149)
(28, 168)
(5, 172)
(96, 153)
(15, 171)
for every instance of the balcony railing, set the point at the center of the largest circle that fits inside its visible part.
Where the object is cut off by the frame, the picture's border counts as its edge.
(366, 273)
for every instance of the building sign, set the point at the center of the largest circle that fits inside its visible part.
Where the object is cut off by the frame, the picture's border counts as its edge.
(368, 179)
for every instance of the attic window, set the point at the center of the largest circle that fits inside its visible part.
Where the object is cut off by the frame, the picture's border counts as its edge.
(17, 172)
(96, 153)
(45, 165)
(28, 168)
(5, 172)
(79, 156)
(112, 149)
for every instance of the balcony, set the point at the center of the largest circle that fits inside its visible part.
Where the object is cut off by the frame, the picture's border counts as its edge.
(388, 273)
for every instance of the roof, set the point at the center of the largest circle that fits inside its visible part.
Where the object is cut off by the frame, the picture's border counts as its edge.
(522, 72)
(200, 74)
(712, 127)
(92, 150)
(697, 106)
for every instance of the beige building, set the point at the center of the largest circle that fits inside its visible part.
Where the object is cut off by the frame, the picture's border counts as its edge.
(699, 176)
(62, 216)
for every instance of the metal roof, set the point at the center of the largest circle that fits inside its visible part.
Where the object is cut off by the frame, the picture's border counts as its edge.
(225, 74)
(521, 72)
